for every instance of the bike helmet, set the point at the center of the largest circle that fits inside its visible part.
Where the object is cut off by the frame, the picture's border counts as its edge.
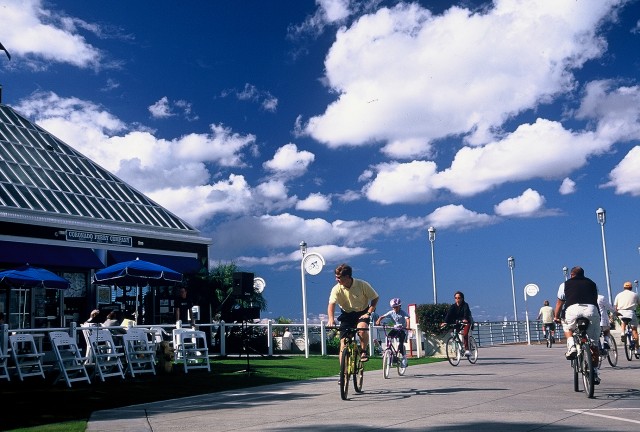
(395, 302)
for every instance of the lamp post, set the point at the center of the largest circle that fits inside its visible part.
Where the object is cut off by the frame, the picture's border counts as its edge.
(635, 282)
(432, 239)
(565, 270)
(602, 219)
(512, 264)
(303, 249)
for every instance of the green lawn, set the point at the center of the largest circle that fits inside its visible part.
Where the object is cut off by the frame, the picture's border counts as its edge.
(37, 404)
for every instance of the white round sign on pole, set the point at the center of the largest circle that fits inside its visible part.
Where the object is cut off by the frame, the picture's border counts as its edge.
(531, 289)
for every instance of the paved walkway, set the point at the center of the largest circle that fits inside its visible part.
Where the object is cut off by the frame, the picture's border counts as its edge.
(511, 388)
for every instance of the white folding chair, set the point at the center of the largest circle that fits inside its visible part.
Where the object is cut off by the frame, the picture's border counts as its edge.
(191, 349)
(107, 359)
(68, 358)
(140, 356)
(4, 371)
(25, 355)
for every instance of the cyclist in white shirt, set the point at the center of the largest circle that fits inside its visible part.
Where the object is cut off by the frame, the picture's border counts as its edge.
(626, 303)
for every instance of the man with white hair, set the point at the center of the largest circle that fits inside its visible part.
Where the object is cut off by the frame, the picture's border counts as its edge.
(626, 303)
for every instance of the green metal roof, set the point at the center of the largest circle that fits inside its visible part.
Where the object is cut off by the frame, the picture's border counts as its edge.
(38, 172)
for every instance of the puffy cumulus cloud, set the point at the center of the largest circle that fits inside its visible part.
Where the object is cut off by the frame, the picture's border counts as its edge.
(314, 202)
(616, 109)
(196, 204)
(172, 172)
(38, 35)
(625, 177)
(540, 150)
(403, 74)
(527, 204)
(458, 217)
(567, 187)
(401, 183)
(289, 162)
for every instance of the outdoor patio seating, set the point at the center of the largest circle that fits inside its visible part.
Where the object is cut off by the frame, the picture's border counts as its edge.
(140, 356)
(25, 355)
(191, 349)
(107, 359)
(69, 360)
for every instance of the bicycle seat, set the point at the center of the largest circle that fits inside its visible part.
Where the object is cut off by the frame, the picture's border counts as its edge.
(582, 324)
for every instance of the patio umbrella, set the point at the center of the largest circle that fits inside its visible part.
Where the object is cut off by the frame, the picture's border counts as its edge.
(136, 273)
(31, 277)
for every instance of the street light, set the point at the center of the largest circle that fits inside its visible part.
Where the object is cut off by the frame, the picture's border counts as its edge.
(602, 219)
(635, 282)
(512, 264)
(303, 249)
(432, 239)
(565, 270)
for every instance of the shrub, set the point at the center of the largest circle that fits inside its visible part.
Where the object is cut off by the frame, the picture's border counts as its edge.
(430, 316)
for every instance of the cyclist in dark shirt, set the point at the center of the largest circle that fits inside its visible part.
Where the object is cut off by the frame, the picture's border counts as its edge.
(460, 311)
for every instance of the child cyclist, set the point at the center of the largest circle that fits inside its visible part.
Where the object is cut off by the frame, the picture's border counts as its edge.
(400, 320)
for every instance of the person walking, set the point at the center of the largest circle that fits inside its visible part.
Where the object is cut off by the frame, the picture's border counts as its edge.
(357, 300)
(626, 303)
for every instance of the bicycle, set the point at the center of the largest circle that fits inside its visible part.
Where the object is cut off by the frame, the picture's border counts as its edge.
(582, 364)
(455, 346)
(351, 364)
(550, 338)
(611, 353)
(629, 341)
(392, 356)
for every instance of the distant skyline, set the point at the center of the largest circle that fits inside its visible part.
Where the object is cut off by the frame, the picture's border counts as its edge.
(355, 126)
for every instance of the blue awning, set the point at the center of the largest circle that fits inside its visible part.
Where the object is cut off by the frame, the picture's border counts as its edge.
(41, 255)
(177, 263)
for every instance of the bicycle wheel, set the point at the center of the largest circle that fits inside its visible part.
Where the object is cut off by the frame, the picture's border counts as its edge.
(345, 358)
(453, 351)
(574, 366)
(401, 361)
(549, 340)
(358, 372)
(473, 349)
(588, 374)
(612, 355)
(387, 358)
(628, 352)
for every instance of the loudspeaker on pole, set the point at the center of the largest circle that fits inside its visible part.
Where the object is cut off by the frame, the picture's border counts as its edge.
(242, 283)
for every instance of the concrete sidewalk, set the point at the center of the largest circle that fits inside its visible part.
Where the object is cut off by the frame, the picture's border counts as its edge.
(510, 388)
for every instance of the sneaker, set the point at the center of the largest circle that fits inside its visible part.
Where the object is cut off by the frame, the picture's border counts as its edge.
(606, 346)
(467, 353)
(571, 353)
(404, 362)
(596, 379)
(623, 338)
(364, 357)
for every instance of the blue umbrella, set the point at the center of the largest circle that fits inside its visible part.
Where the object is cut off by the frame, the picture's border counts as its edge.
(136, 273)
(31, 277)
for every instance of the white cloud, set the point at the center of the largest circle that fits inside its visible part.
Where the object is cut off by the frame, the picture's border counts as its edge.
(527, 204)
(250, 92)
(459, 73)
(37, 36)
(567, 187)
(289, 162)
(458, 217)
(625, 177)
(161, 108)
(401, 183)
(314, 202)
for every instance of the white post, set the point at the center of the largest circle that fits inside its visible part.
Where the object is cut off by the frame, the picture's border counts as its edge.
(432, 239)
(303, 249)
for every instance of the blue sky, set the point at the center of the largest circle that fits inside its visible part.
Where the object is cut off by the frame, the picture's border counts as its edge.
(354, 126)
